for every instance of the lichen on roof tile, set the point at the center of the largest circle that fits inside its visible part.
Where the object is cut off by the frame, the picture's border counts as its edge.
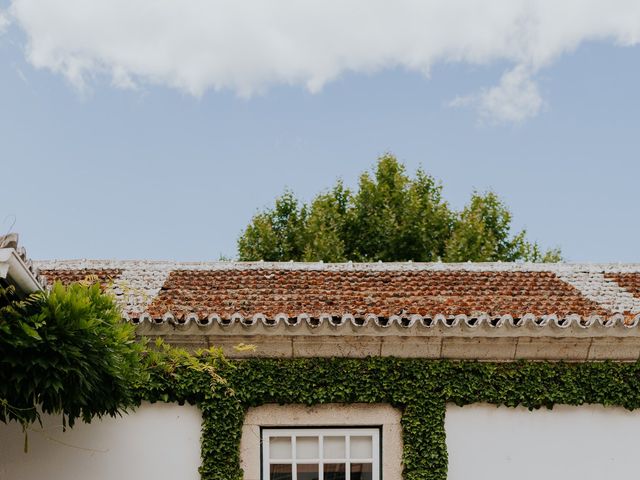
(379, 289)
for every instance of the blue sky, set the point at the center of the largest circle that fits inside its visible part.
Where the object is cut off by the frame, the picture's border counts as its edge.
(108, 169)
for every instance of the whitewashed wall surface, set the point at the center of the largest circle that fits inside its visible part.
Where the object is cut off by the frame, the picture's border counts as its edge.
(567, 443)
(159, 441)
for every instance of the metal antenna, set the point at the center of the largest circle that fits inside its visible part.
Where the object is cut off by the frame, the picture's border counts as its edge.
(9, 238)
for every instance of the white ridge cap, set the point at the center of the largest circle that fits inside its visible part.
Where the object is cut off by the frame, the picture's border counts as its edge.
(80, 264)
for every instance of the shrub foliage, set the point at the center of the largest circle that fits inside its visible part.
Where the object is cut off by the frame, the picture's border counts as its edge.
(65, 352)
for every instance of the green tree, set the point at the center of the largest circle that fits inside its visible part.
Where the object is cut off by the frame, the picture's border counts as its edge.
(482, 233)
(396, 218)
(277, 234)
(326, 226)
(391, 217)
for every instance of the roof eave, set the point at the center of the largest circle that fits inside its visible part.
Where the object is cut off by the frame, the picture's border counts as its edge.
(16, 272)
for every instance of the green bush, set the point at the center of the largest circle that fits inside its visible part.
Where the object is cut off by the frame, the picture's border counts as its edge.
(66, 352)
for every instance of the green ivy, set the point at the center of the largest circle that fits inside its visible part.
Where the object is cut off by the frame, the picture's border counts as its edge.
(419, 388)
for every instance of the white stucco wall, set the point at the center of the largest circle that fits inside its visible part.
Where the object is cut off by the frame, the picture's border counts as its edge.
(159, 441)
(586, 443)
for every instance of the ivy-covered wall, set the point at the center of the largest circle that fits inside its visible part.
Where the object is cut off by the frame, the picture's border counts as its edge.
(420, 388)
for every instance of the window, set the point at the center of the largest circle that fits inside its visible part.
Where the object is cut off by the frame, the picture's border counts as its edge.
(283, 420)
(321, 454)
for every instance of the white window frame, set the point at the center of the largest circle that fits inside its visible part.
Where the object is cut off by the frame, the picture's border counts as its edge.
(321, 432)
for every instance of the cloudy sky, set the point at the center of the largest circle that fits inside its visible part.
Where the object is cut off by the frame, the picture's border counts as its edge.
(155, 128)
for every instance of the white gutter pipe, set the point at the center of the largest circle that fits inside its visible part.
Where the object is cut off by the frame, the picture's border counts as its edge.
(15, 271)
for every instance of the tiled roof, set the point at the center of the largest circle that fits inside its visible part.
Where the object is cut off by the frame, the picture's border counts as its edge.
(630, 281)
(383, 293)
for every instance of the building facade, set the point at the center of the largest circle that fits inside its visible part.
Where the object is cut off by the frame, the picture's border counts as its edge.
(379, 371)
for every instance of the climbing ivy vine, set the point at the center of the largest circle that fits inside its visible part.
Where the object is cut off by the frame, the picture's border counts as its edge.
(419, 388)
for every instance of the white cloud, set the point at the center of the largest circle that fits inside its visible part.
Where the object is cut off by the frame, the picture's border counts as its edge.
(4, 22)
(249, 45)
(515, 99)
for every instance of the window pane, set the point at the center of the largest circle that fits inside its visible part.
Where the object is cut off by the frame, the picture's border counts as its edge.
(308, 472)
(361, 447)
(361, 471)
(280, 472)
(334, 447)
(280, 447)
(334, 471)
(307, 447)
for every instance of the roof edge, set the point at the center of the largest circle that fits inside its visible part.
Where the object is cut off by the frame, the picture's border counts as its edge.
(79, 264)
(15, 270)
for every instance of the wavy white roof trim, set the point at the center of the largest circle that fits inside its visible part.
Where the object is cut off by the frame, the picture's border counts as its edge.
(427, 321)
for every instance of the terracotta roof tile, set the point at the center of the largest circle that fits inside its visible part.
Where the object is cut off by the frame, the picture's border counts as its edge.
(629, 281)
(246, 290)
(382, 293)
(103, 276)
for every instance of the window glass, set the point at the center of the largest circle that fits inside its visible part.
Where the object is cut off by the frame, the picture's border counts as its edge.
(308, 472)
(280, 472)
(361, 447)
(361, 471)
(321, 454)
(280, 447)
(334, 447)
(334, 471)
(307, 447)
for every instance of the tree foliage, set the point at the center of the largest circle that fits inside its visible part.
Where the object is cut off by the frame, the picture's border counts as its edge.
(65, 352)
(391, 217)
